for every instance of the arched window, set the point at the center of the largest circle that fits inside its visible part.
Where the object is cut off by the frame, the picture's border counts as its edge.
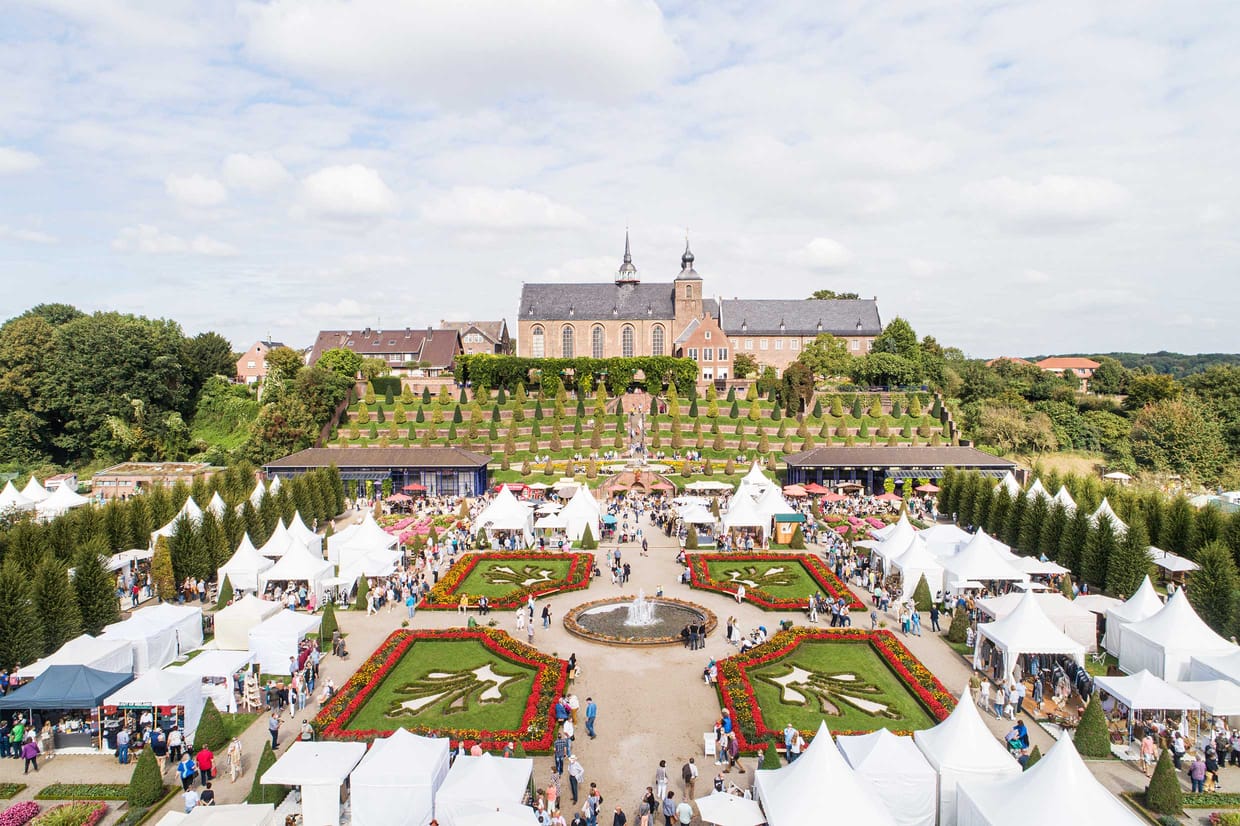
(596, 341)
(538, 350)
(626, 341)
(566, 342)
(656, 340)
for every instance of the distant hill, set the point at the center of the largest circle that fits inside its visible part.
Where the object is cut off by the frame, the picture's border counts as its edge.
(1177, 365)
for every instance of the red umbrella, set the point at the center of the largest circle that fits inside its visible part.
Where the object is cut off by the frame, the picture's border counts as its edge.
(926, 488)
(834, 497)
(889, 497)
(662, 486)
(414, 488)
(795, 491)
(815, 489)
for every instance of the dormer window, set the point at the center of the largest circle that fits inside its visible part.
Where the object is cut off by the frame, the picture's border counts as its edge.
(820, 326)
(744, 325)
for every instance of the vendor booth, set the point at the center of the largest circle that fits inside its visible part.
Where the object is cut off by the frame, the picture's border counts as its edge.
(395, 784)
(365, 535)
(159, 634)
(302, 533)
(1024, 631)
(819, 786)
(1165, 643)
(505, 518)
(299, 566)
(160, 699)
(115, 656)
(282, 637)
(189, 510)
(244, 567)
(475, 784)
(962, 749)
(1022, 800)
(1143, 693)
(1077, 621)
(582, 510)
(70, 696)
(220, 674)
(1218, 698)
(916, 562)
(981, 559)
(894, 764)
(234, 623)
(1142, 605)
(320, 769)
(742, 520)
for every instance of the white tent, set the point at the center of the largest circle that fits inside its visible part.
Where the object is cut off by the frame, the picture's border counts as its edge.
(1024, 799)
(1025, 630)
(980, 559)
(223, 814)
(895, 766)
(1064, 498)
(743, 512)
(1009, 484)
(60, 502)
(215, 669)
(580, 511)
(961, 749)
(485, 780)
(190, 509)
(299, 564)
(1037, 490)
(698, 515)
(34, 491)
(280, 542)
(1219, 698)
(274, 487)
(217, 505)
(917, 562)
(164, 688)
(275, 640)
(1104, 511)
(256, 496)
(818, 785)
(1077, 621)
(551, 522)
(320, 769)
(1143, 604)
(772, 502)
(94, 652)
(11, 499)
(353, 566)
(1226, 667)
(946, 535)
(1038, 567)
(1170, 562)
(506, 513)
(366, 536)
(755, 482)
(302, 533)
(898, 532)
(1165, 643)
(244, 566)
(1097, 603)
(159, 634)
(1145, 692)
(489, 813)
(396, 782)
(234, 622)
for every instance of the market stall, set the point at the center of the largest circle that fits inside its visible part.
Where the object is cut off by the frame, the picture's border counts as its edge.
(1025, 631)
(280, 638)
(1165, 643)
(70, 697)
(220, 674)
(1143, 693)
(244, 567)
(159, 634)
(299, 566)
(1075, 620)
(115, 656)
(160, 699)
(320, 769)
(1143, 604)
(475, 783)
(397, 780)
(234, 623)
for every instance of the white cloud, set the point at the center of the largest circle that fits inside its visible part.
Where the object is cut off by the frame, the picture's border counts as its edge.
(1052, 202)
(255, 173)
(486, 49)
(1031, 276)
(195, 190)
(341, 311)
(17, 160)
(823, 254)
(149, 239)
(923, 268)
(482, 208)
(347, 193)
(29, 236)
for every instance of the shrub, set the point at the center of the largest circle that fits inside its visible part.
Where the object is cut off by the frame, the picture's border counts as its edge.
(1092, 739)
(921, 594)
(226, 594)
(265, 794)
(328, 627)
(691, 539)
(1163, 795)
(770, 757)
(1034, 757)
(797, 541)
(958, 631)
(211, 732)
(146, 786)
(363, 587)
(588, 542)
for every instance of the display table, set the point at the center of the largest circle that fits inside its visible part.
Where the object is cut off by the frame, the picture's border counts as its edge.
(75, 739)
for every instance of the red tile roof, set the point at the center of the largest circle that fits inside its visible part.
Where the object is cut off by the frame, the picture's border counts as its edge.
(1068, 363)
(1012, 359)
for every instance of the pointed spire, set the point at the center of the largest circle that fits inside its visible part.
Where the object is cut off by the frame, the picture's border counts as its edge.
(627, 272)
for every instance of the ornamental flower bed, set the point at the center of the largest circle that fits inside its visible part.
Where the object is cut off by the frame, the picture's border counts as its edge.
(19, 813)
(738, 697)
(446, 593)
(72, 814)
(537, 729)
(823, 577)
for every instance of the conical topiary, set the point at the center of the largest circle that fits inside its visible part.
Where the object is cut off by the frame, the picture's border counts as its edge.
(588, 542)
(1092, 738)
(958, 631)
(797, 541)
(211, 732)
(363, 587)
(921, 594)
(146, 786)
(1034, 756)
(328, 626)
(691, 539)
(225, 595)
(1164, 795)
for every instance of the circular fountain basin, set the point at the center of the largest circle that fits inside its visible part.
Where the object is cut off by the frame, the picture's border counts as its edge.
(607, 621)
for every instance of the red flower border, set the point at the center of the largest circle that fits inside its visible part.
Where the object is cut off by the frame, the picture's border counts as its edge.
(445, 594)
(537, 729)
(824, 577)
(738, 697)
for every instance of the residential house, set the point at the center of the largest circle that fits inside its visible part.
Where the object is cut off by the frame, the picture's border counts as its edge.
(252, 366)
(481, 336)
(407, 352)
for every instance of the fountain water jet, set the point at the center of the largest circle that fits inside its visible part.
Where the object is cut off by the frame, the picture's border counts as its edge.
(641, 612)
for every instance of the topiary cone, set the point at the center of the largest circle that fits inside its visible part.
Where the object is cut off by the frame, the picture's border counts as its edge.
(1164, 795)
(146, 786)
(1092, 738)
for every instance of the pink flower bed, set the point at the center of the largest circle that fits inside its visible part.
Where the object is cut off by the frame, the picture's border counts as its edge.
(875, 522)
(19, 813)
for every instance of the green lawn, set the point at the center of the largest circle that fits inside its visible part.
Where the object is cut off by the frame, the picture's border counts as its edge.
(234, 724)
(782, 579)
(497, 578)
(461, 700)
(833, 660)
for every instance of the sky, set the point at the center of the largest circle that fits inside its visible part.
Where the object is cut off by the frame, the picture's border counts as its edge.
(1011, 177)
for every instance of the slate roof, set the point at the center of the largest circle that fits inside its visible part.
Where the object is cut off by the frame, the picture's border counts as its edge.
(345, 457)
(905, 456)
(806, 317)
(565, 302)
(437, 347)
(493, 330)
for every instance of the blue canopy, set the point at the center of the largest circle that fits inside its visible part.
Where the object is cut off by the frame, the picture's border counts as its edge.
(608, 519)
(65, 686)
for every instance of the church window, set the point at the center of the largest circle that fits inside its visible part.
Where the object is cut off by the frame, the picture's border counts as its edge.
(537, 349)
(566, 342)
(596, 341)
(626, 341)
(656, 340)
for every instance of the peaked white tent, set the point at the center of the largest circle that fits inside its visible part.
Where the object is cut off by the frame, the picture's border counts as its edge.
(1038, 490)
(580, 511)
(1009, 484)
(892, 540)
(1225, 667)
(274, 641)
(320, 769)
(365, 536)
(505, 513)
(1143, 604)
(819, 782)
(244, 566)
(479, 782)
(164, 688)
(1104, 511)
(223, 814)
(1165, 643)
(299, 564)
(215, 669)
(93, 652)
(917, 562)
(1064, 498)
(256, 496)
(771, 501)
(280, 542)
(698, 515)
(980, 560)
(743, 512)
(11, 499)
(60, 502)
(1219, 698)
(190, 509)
(34, 491)
(755, 482)
(1023, 799)
(1145, 692)
(354, 565)
(893, 764)
(217, 505)
(1025, 630)
(274, 487)
(234, 622)
(1077, 621)
(158, 633)
(961, 749)
(396, 782)
(945, 535)
(302, 533)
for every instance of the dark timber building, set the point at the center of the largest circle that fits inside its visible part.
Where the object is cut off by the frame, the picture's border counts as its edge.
(870, 466)
(443, 471)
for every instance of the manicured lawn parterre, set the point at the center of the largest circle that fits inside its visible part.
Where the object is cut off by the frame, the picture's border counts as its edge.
(776, 582)
(508, 579)
(856, 680)
(469, 684)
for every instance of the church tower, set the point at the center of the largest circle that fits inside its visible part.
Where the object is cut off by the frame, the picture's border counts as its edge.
(627, 274)
(688, 286)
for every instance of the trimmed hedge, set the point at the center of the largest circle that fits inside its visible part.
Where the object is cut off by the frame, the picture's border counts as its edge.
(146, 785)
(1163, 795)
(1092, 738)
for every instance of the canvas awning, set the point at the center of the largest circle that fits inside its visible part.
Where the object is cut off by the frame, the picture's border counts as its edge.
(1145, 692)
(65, 687)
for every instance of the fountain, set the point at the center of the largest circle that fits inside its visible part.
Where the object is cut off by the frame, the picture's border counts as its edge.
(641, 611)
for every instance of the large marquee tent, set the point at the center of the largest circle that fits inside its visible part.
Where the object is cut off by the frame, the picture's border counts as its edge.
(981, 559)
(61, 501)
(64, 687)
(299, 564)
(476, 784)
(582, 510)
(506, 514)
(159, 634)
(320, 769)
(1075, 620)
(234, 622)
(894, 764)
(1165, 643)
(115, 656)
(1025, 630)
(364, 536)
(1143, 604)
(12, 500)
(396, 782)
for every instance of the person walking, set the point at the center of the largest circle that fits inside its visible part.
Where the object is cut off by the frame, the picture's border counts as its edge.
(562, 748)
(233, 756)
(159, 748)
(934, 617)
(594, 802)
(619, 819)
(273, 728)
(206, 764)
(689, 774)
(30, 753)
(684, 813)
(1197, 774)
(591, 715)
(660, 780)
(175, 740)
(187, 770)
(546, 616)
(669, 808)
(122, 746)
(576, 773)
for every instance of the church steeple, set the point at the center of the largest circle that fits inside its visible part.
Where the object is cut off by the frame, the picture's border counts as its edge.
(686, 265)
(627, 274)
